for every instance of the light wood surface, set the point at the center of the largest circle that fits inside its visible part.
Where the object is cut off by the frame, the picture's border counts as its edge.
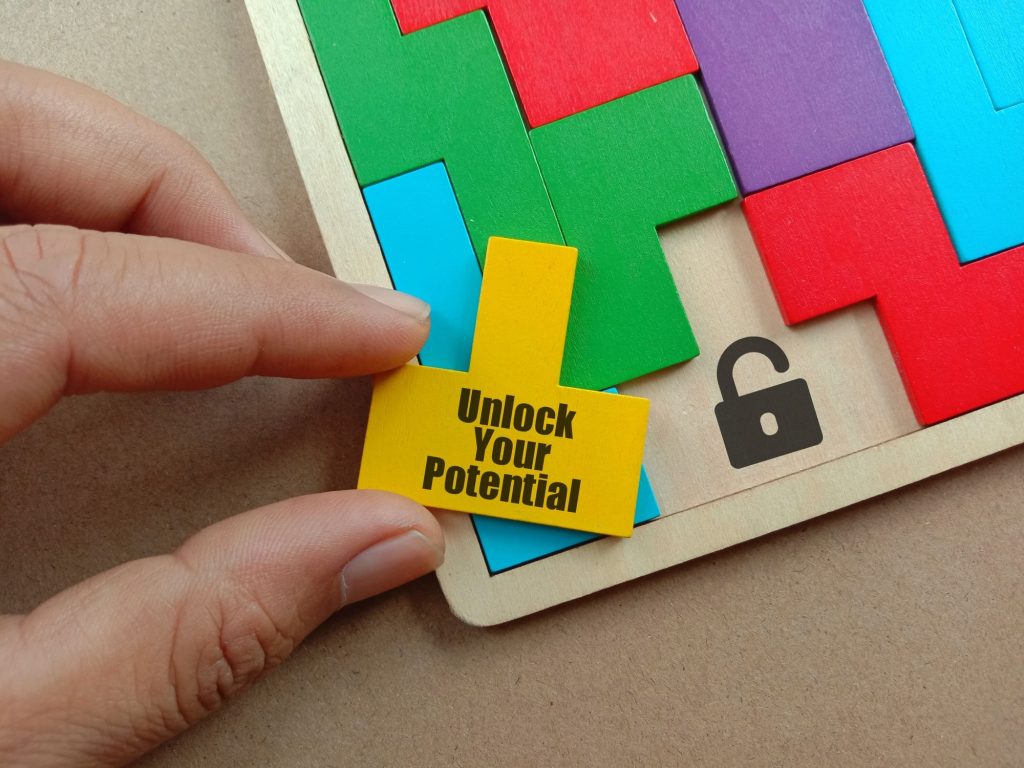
(889, 633)
(320, 151)
(706, 503)
(844, 358)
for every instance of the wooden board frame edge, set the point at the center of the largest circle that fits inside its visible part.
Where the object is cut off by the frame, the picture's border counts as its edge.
(316, 140)
(484, 600)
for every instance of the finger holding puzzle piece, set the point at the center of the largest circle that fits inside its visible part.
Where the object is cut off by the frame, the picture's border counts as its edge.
(505, 439)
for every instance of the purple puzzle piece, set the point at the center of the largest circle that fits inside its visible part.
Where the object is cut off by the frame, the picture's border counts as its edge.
(796, 85)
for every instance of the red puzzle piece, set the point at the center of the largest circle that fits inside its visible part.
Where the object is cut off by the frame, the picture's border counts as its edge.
(870, 228)
(567, 56)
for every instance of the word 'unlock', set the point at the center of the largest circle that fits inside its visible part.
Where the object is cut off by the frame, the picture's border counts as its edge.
(505, 439)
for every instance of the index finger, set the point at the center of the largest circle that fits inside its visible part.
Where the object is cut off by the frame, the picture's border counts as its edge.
(86, 311)
(72, 155)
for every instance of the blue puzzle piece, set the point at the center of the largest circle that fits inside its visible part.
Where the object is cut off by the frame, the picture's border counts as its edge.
(972, 151)
(429, 255)
(995, 31)
(510, 543)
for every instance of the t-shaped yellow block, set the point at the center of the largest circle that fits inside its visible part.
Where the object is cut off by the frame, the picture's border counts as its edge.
(505, 439)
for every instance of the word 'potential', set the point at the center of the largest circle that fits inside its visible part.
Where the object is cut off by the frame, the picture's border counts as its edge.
(532, 488)
(504, 439)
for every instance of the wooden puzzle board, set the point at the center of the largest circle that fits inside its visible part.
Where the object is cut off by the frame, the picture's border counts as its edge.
(872, 443)
(898, 619)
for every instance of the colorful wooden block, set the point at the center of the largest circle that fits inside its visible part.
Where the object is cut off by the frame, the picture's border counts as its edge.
(870, 229)
(440, 94)
(723, 286)
(972, 152)
(429, 255)
(995, 32)
(615, 173)
(796, 85)
(505, 439)
(873, 443)
(508, 544)
(566, 56)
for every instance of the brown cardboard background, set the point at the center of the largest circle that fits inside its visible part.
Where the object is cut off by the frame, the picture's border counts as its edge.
(890, 633)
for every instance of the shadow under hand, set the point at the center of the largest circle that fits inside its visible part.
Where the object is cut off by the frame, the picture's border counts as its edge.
(108, 478)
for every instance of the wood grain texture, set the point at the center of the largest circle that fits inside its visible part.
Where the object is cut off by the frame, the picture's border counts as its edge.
(566, 56)
(995, 32)
(887, 634)
(615, 173)
(406, 101)
(429, 255)
(745, 515)
(972, 152)
(869, 230)
(843, 358)
(860, 405)
(871, 441)
(508, 544)
(319, 150)
(505, 439)
(796, 85)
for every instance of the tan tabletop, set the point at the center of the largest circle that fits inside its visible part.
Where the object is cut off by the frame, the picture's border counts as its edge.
(888, 634)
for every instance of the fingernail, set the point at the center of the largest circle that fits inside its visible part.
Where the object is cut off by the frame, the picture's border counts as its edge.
(275, 247)
(388, 564)
(403, 302)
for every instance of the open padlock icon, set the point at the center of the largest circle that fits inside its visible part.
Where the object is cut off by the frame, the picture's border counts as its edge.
(766, 423)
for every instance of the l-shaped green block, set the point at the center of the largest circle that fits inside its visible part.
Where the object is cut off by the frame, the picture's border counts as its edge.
(440, 94)
(615, 173)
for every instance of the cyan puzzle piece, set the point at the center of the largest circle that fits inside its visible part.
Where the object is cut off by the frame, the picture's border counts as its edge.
(972, 152)
(566, 56)
(429, 255)
(995, 31)
(404, 102)
(505, 439)
(508, 544)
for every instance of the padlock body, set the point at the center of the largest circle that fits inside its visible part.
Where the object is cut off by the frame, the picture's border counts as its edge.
(745, 441)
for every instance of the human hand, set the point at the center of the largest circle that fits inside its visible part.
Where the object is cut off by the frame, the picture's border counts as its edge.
(131, 268)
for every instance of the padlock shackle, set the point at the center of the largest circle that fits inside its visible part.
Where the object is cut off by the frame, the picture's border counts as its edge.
(739, 348)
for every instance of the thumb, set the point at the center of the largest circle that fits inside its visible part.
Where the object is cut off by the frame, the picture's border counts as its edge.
(111, 667)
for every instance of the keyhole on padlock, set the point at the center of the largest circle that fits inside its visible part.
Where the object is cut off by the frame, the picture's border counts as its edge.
(765, 423)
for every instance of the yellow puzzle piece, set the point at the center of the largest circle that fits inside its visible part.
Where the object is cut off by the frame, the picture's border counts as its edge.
(505, 439)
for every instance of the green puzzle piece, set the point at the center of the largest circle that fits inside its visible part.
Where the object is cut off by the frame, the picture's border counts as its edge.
(442, 93)
(615, 173)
